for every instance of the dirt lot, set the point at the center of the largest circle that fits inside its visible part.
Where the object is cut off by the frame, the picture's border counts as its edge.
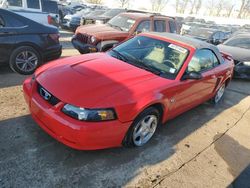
(205, 147)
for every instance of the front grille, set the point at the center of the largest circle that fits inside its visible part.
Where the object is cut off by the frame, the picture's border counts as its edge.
(82, 37)
(47, 96)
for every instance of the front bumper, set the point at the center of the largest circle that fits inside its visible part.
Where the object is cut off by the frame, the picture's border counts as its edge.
(53, 52)
(83, 48)
(73, 133)
(70, 25)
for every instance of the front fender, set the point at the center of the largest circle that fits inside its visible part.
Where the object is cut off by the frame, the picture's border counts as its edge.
(128, 109)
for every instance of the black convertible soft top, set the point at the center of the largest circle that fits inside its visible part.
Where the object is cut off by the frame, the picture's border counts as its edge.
(195, 43)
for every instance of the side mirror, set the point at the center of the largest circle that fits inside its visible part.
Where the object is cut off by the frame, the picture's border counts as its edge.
(192, 76)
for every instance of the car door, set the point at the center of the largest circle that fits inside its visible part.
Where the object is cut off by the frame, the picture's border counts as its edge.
(190, 93)
(7, 38)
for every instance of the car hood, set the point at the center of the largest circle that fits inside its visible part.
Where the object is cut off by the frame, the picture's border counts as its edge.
(101, 31)
(239, 54)
(87, 80)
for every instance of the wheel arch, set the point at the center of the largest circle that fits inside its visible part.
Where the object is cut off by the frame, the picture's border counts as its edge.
(29, 44)
(159, 106)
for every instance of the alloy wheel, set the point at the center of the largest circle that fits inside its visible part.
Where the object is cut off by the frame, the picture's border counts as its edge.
(219, 94)
(144, 130)
(26, 61)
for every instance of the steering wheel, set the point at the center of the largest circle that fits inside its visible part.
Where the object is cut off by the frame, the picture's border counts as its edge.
(169, 63)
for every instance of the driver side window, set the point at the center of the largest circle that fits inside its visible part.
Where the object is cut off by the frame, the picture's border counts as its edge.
(144, 26)
(202, 60)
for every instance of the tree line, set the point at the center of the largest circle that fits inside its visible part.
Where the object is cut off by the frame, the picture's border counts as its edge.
(212, 7)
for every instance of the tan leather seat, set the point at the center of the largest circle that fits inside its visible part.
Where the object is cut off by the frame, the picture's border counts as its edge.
(194, 65)
(157, 55)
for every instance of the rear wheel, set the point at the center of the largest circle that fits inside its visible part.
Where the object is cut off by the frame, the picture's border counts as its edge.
(25, 60)
(143, 128)
(219, 94)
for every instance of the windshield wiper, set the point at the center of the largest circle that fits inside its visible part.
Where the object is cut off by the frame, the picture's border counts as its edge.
(138, 63)
(142, 65)
(115, 26)
(151, 69)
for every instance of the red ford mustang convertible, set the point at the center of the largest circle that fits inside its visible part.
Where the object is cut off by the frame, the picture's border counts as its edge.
(120, 97)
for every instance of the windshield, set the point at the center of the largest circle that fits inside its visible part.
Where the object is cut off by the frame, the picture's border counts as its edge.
(122, 22)
(241, 42)
(160, 57)
(112, 13)
(203, 33)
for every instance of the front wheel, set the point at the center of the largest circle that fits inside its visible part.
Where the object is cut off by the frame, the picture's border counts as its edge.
(143, 128)
(25, 60)
(219, 94)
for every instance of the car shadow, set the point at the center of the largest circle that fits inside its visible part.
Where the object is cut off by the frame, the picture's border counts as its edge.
(237, 158)
(8, 78)
(29, 157)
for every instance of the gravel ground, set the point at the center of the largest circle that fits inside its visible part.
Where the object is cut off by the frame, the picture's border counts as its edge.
(205, 147)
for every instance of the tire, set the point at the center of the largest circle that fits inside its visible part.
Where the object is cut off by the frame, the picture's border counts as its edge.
(135, 132)
(25, 60)
(219, 94)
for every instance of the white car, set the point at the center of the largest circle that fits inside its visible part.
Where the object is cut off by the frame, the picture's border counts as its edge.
(42, 11)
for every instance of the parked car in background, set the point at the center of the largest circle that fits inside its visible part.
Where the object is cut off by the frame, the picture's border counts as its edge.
(211, 22)
(90, 18)
(101, 37)
(179, 20)
(104, 18)
(239, 47)
(72, 21)
(41, 11)
(189, 19)
(26, 44)
(212, 36)
(199, 20)
(188, 26)
(120, 97)
(63, 11)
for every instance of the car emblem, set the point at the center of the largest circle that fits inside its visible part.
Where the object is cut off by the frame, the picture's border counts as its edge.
(45, 94)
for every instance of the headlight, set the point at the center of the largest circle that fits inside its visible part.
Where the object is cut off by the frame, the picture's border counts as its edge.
(84, 114)
(99, 21)
(246, 63)
(93, 39)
